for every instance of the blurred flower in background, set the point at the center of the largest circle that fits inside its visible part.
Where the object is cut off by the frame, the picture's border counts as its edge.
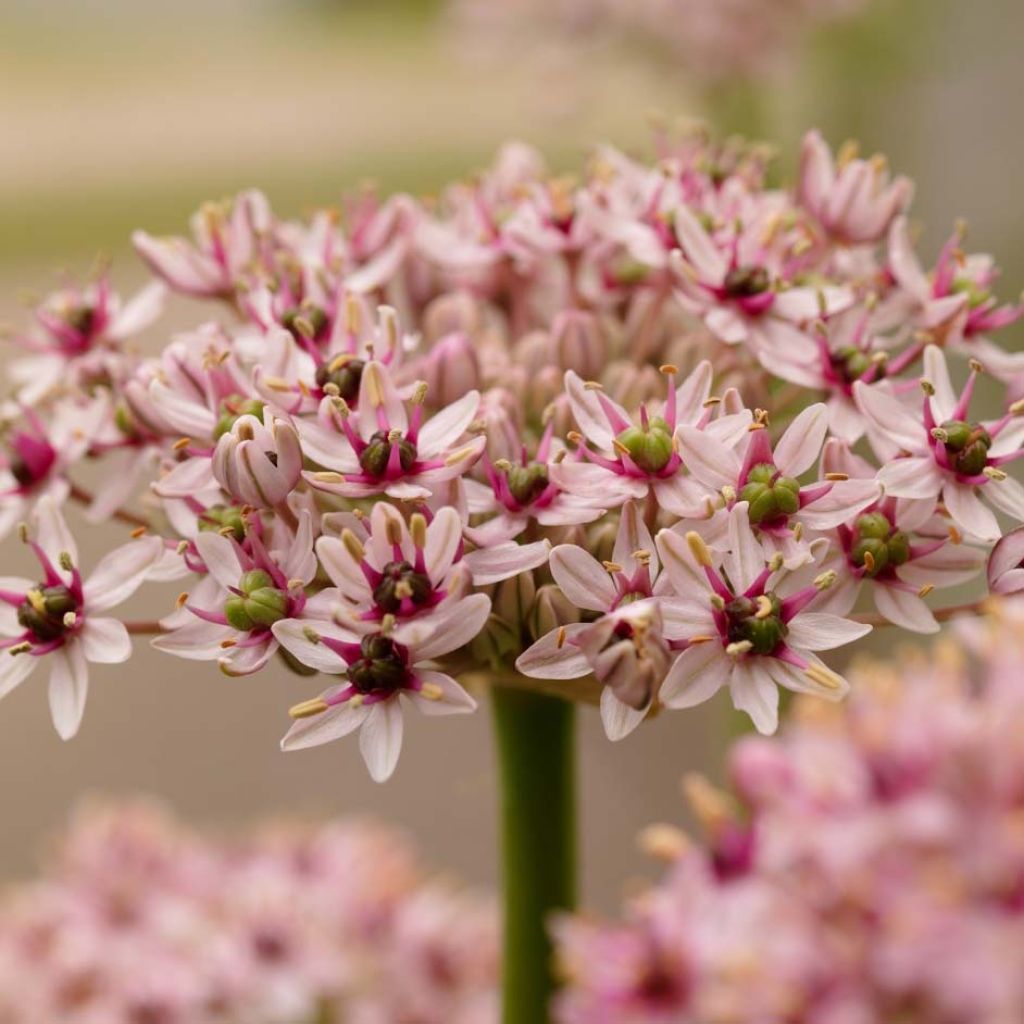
(139, 920)
(868, 865)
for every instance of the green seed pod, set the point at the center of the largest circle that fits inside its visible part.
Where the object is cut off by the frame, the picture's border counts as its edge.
(899, 548)
(527, 482)
(873, 524)
(877, 548)
(266, 605)
(224, 517)
(746, 623)
(769, 495)
(973, 459)
(254, 579)
(237, 615)
(765, 634)
(958, 434)
(650, 449)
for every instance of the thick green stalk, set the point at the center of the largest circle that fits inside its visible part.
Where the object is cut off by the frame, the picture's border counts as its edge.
(536, 751)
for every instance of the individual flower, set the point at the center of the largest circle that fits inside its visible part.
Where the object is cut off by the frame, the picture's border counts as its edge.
(746, 625)
(61, 616)
(942, 453)
(618, 458)
(383, 446)
(247, 589)
(853, 199)
(380, 670)
(258, 461)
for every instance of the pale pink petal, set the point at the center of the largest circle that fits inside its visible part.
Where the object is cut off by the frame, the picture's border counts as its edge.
(461, 621)
(696, 675)
(820, 631)
(14, 670)
(904, 263)
(948, 566)
(380, 739)
(745, 559)
(186, 479)
(936, 372)
(121, 572)
(52, 533)
(220, 557)
(844, 500)
(587, 411)
(549, 659)
(708, 459)
(754, 691)
(632, 537)
(293, 635)
(501, 561)
(969, 512)
(198, 640)
(106, 641)
(618, 719)
(889, 417)
(699, 247)
(800, 444)
(332, 724)
(453, 701)
(904, 609)
(1007, 496)
(69, 686)
(914, 477)
(1006, 556)
(443, 537)
(139, 311)
(444, 429)
(191, 418)
(693, 393)
(727, 325)
(583, 580)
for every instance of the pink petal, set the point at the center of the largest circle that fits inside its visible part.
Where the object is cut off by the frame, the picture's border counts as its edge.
(455, 700)
(968, 511)
(105, 641)
(380, 739)
(800, 444)
(546, 659)
(696, 676)
(583, 580)
(820, 631)
(618, 719)
(754, 691)
(444, 429)
(333, 724)
(69, 686)
(121, 572)
(904, 609)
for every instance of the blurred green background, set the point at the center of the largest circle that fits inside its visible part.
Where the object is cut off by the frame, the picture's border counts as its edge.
(116, 115)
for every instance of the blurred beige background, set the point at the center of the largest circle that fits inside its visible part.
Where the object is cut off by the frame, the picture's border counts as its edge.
(117, 115)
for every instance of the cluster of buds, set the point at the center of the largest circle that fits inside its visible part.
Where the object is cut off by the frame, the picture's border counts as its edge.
(140, 919)
(866, 865)
(598, 434)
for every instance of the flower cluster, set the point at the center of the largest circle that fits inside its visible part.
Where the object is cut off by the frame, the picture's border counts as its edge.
(709, 40)
(868, 866)
(140, 919)
(598, 433)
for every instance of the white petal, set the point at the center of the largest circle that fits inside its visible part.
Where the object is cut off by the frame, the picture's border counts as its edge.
(841, 502)
(291, 635)
(583, 580)
(456, 625)
(380, 739)
(547, 659)
(334, 723)
(696, 675)
(1007, 496)
(693, 393)
(618, 719)
(444, 429)
(454, 699)
(69, 686)
(820, 631)
(14, 670)
(699, 247)
(745, 560)
(52, 533)
(943, 402)
(220, 557)
(708, 459)
(968, 511)
(904, 609)
(798, 448)
(198, 640)
(121, 572)
(889, 417)
(443, 537)
(500, 561)
(106, 641)
(754, 691)
(914, 477)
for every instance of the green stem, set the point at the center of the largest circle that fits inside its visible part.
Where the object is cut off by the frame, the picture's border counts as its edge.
(536, 750)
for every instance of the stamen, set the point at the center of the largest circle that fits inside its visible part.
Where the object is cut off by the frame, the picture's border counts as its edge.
(823, 677)
(374, 387)
(739, 648)
(826, 579)
(612, 567)
(181, 443)
(837, 476)
(699, 550)
(308, 708)
(327, 477)
(353, 545)
(664, 842)
(311, 634)
(926, 590)
(560, 641)
(418, 529)
(764, 607)
(994, 474)
(431, 691)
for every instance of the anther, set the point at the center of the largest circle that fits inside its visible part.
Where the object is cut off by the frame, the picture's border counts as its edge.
(308, 708)
(699, 550)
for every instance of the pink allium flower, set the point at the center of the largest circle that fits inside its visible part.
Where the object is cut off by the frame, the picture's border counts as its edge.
(868, 866)
(61, 619)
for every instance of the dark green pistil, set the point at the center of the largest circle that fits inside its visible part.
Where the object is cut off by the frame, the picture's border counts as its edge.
(81, 319)
(381, 666)
(851, 363)
(746, 282)
(346, 377)
(399, 577)
(309, 316)
(259, 605)
(527, 483)
(747, 622)
(967, 445)
(43, 617)
(377, 453)
(877, 546)
(770, 495)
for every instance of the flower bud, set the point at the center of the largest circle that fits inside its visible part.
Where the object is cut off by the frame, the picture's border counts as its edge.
(513, 599)
(258, 464)
(579, 343)
(451, 369)
(454, 312)
(551, 609)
